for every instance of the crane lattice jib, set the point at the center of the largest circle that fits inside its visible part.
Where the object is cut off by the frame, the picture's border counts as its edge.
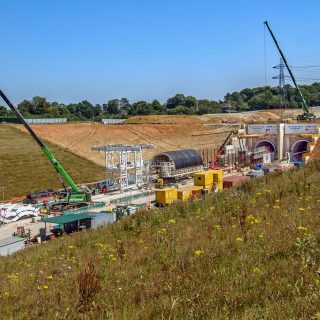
(304, 104)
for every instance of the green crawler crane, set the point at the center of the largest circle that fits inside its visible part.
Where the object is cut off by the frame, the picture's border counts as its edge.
(307, 115)
(73, 199)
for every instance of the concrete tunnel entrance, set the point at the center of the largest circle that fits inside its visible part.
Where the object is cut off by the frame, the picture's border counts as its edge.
(265, 143)
(298, 149)
(262, 147)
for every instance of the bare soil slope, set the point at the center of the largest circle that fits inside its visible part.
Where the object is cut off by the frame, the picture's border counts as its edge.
(80, 137)
(166, 132)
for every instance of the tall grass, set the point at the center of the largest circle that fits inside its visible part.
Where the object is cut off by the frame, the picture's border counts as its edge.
(247, 253)
(24, 168)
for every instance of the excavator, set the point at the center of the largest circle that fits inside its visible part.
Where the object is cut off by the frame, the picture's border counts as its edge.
(307, 115)
(70, 199)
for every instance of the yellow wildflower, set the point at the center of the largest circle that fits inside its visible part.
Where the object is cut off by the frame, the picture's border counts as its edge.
(45, 287)
(303, 229)
(50, 277)
(256, 270)
(233, 226)
(317, 316)
(172, 221)
(198, 252)
(276, 207)
(239, 239)
(301, 209)
(71, 247)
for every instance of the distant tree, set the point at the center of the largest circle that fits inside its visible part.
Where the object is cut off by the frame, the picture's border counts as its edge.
(3, 111)
(113, 106)
(124, 106)
(85, 109)
(157, 107)
(140, 108)
(72, 108)
(97, 110)
(181, 110)
(41, 105)
(178, 99)
(26, 107)
(190, 102)
(124, 103)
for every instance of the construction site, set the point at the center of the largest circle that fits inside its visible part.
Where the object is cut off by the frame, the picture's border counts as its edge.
(133, 180)
(150, 162)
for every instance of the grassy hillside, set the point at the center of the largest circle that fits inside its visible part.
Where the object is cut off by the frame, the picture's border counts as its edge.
(24, 168)
(246, 253)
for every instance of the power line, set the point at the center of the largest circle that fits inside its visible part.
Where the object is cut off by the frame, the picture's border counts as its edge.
(306, 67)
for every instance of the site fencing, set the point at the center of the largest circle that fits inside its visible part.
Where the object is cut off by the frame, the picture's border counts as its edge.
(46, 120)
(112, 121)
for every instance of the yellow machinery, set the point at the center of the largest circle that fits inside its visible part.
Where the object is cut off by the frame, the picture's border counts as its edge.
(189, 192)
(211, 179)
(218, 179)
(196, 191)
(203, 178)
(160, 182)
(204, 182)
(166, 196)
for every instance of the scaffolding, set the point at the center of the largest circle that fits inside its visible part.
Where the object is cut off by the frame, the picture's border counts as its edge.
(124, 164)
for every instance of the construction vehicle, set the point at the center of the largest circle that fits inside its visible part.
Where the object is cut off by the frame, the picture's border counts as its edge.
(71, 199)
(43, 196)
(307, 115)
(213, 165)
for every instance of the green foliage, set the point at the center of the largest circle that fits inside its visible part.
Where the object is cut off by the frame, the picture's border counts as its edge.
(247, 99)
(273, 97)
(140, 108)
(180, 110)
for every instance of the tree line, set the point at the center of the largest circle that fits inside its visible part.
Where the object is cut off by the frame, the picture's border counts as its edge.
(246, 100)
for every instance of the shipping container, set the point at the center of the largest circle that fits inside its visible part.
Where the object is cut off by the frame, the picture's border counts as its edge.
(183, 193)
(232, 181)
(203, 178)
(166, 196)
(189, 192)
(196, 191)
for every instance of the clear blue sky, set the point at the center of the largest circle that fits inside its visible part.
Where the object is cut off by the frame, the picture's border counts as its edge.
(72, 50)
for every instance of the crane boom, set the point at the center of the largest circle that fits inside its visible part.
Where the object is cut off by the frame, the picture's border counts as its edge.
(43, 147)
(220, 150)
(307, 114)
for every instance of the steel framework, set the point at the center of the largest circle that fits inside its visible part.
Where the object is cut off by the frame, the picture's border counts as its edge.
(124, 164)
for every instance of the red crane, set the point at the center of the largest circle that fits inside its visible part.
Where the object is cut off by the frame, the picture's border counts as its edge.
(213, 164)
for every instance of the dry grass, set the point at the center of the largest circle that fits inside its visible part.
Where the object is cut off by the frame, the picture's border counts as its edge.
(24, 168)
(246, 253)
